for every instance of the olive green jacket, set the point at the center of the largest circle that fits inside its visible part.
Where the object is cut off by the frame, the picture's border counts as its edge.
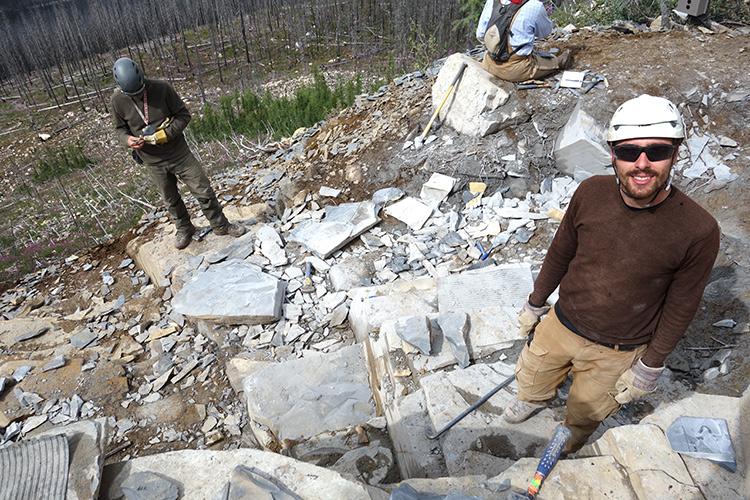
(163, 102)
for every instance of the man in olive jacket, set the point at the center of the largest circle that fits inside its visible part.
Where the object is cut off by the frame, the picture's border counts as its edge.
(149, 118)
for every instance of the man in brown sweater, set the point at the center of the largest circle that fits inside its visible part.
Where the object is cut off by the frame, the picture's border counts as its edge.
(631, 256)
(149, 118)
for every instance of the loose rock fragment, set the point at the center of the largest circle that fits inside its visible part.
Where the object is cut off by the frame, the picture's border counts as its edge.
(454, 327)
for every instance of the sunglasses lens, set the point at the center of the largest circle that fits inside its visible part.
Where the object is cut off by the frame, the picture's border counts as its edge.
(655, 152)
(628, 153)
(659, 152)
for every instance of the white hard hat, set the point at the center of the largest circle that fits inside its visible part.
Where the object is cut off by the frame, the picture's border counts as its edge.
(646, 116)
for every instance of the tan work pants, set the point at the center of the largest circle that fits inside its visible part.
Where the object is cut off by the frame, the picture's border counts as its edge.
(554, 352)
(522, 68)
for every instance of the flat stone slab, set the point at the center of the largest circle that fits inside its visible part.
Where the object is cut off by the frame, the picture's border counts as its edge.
(415, 331)
(203, 474)
(436, 189)
(475, 486)
(714, 481)
(232, 292)
(341, 224)
(410, 211)
(596, 477)
(454, 326)
(301, 398)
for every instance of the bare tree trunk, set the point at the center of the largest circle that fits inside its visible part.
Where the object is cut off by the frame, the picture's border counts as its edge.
(244, 34)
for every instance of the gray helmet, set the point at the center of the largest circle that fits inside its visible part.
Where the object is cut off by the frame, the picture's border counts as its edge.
(128, 76)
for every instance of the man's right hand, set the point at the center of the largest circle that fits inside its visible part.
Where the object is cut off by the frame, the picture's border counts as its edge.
(529, 317)
(135, 142)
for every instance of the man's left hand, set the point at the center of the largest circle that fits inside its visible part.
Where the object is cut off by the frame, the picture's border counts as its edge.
(158, 137)
(635, 383)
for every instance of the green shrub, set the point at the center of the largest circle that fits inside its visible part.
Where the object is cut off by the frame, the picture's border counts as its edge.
(59, 162)
(253, 115)
(730, 10)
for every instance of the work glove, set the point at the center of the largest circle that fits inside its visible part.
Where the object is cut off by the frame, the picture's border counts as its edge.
(158, 137)
(636, 382)
(529, 317)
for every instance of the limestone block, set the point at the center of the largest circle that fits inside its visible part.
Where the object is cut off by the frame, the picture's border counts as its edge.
(651, 484)
(492, 296)
(238, 369)
(148, 486)
(453, 488)
(714, 481)
(481, 104)
(581, 146)
(371, 306)
(202, 474)
(300, 398)
(416, 455)
(476, 462)
(232, 292)
(579, 479)
(641, 447)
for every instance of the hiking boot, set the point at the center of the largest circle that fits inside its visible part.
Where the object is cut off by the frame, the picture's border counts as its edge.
(183, 237)
(230, 229)
(518, 411)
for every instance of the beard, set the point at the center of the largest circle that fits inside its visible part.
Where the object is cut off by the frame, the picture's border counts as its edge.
(642, 192)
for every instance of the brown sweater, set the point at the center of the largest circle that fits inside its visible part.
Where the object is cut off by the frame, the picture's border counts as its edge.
(629, 276)
(163, 102)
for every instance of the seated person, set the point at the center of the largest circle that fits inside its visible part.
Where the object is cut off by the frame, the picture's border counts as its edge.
(514, 59)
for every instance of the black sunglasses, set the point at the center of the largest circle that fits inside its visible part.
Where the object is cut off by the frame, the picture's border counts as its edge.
(654, 152)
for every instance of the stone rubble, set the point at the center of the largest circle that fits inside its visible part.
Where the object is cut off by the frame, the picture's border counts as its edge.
(218, 347)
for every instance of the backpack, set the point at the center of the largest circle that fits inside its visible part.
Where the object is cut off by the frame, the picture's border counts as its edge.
(498, 30)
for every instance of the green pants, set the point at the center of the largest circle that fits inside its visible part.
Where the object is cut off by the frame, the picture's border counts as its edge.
(190, 172)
